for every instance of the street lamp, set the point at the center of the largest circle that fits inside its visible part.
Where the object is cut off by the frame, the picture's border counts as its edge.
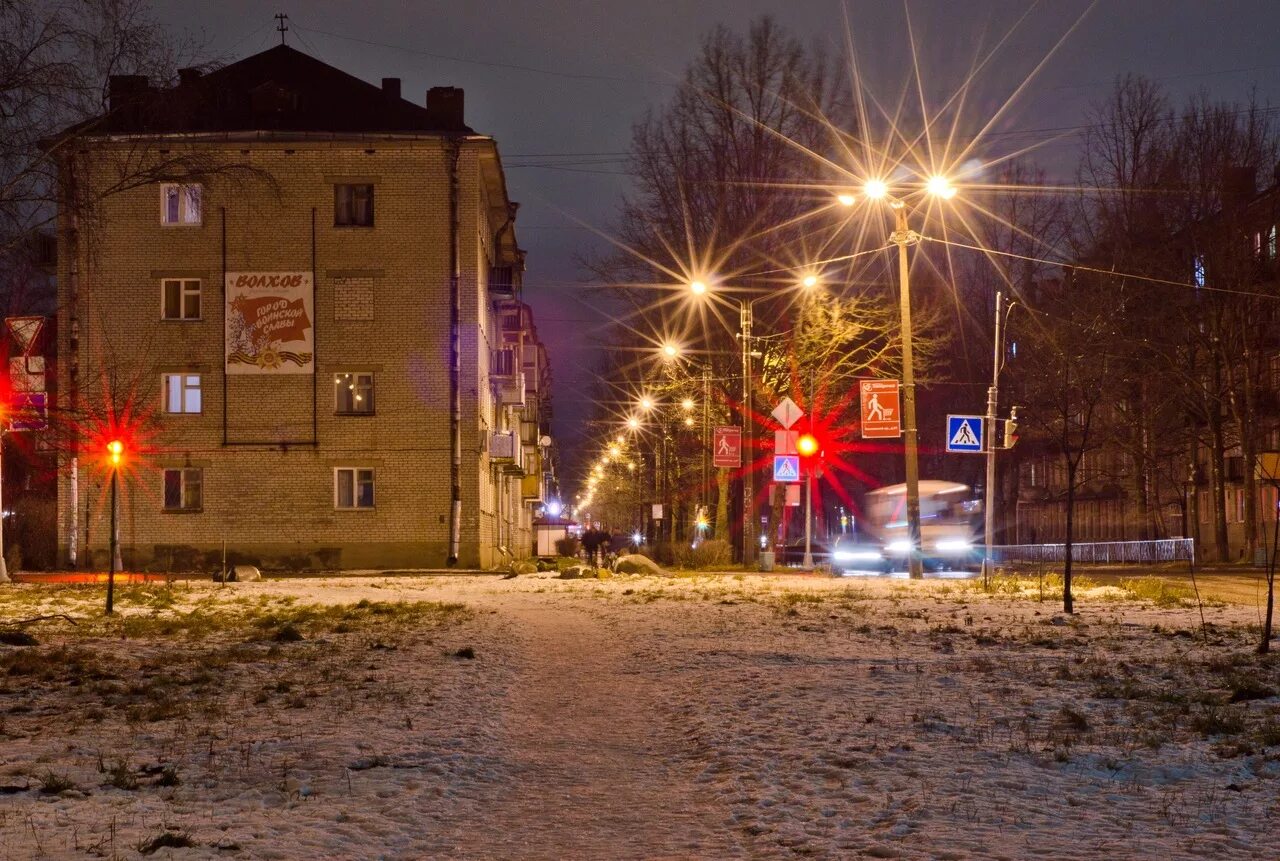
(745, 309)
(903, 236)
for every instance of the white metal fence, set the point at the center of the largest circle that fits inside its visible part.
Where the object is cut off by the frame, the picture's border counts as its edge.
(1099, 552)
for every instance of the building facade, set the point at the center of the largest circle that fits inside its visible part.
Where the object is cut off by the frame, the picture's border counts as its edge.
(288, 293)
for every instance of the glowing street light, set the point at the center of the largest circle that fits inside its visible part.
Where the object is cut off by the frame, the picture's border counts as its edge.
(846, 199)
(670, 351)
(808, 282)
(646, 403)
(686, 404)
(698, 287)
(875, 189)
(940, 186)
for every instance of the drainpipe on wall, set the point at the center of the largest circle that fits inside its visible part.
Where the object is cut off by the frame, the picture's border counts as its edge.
(455, 360)
(73, 364)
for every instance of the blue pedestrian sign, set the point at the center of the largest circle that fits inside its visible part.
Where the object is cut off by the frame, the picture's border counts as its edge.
(964, 434)
(786, 467)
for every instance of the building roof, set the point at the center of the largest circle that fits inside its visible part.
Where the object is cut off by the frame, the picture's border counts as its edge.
(281, 90)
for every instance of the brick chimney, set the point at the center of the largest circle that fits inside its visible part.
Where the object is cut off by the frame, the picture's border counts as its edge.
(445, 105)
(122, 89)
(391, 86)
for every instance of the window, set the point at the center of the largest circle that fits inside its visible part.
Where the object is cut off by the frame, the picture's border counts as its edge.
(353, 205)
(180, 298)
(1197, 270)
(184, 489)
(182, 393)
(1271, 243)
(353, 487)
(179, 203)
(353, 394)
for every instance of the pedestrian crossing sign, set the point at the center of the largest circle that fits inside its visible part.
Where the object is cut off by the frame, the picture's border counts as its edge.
(965, 434)
(786, 467)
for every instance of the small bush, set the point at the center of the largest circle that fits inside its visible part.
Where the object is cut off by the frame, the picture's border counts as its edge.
(18, 638)
(166, 840)
(466, 653)
(567, 546)
(288, 634)
(52, 784)
(122, 777)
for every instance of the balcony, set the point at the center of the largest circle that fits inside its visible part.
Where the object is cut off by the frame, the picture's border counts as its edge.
(508, 380)
(505, 450)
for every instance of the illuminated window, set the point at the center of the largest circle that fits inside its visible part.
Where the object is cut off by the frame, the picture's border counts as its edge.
(353, 394)
(182, 393)
(180, 203)
(1271, 243)
(353, 205)
(352, 487)
(184, 489)
(180, 298)
(1197, 270)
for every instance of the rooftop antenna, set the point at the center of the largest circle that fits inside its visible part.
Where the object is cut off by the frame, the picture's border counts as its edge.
(283, 27)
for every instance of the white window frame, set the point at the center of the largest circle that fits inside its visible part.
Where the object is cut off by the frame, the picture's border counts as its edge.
(190, 197)
(363, 402)
(355, 472)
(183, 485)
(187, 287)
(184, 390)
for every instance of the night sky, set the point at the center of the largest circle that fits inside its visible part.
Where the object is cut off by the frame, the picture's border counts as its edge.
(560, 84)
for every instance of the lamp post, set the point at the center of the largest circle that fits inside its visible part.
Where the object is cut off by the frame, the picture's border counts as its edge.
(903, 236)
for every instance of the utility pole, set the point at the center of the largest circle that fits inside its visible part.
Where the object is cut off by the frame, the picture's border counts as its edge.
(989, 503)
(903, 236)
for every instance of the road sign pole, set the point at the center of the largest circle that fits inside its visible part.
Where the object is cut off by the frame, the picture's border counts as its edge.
(748, 514)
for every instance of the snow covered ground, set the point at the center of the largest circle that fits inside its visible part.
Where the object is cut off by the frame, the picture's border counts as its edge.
(715, 717)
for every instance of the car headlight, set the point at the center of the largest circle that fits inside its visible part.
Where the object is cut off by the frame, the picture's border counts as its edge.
(953, 545)
(899, 546)
(857, 555)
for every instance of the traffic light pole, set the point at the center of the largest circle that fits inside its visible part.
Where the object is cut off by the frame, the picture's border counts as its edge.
(989, 503)
(115, 544)
(4, 568)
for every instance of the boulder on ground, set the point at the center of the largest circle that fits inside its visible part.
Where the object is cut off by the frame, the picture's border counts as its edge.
(239, 574)
(576, 572)
(634, 563)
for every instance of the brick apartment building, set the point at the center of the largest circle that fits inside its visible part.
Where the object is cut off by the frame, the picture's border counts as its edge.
(297, 297)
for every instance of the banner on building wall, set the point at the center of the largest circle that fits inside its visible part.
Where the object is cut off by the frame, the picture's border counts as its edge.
(269, 323)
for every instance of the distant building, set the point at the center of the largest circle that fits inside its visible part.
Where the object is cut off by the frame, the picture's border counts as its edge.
(1192, 452)
(304, 300)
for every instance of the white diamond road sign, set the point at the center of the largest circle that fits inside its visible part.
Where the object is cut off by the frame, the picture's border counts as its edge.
(964, 434)
(787, 413)
(786, 467)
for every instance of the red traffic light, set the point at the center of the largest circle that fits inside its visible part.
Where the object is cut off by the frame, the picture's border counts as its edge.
(807, 445)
